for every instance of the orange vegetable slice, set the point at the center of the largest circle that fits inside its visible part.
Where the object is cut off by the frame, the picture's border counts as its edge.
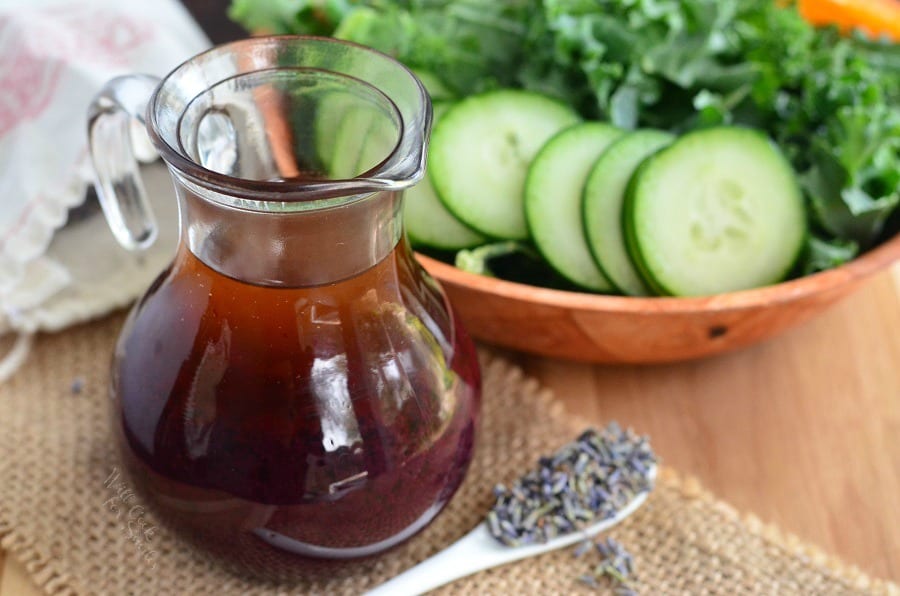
(876, 17)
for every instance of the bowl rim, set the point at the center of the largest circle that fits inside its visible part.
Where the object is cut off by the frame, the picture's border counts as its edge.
(865, 265)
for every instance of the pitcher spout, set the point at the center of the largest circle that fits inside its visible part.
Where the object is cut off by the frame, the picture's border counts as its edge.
(276, 124)
(292, 119)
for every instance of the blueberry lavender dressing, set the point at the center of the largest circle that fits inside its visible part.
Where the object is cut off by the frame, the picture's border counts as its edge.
(330, 421)
(295, 387)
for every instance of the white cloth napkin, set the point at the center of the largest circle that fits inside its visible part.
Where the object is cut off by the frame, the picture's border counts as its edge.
(56, 55)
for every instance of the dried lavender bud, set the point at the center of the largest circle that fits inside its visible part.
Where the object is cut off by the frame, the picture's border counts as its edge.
(586, 481)
(582, 548)
(616, 566)
(77, 386)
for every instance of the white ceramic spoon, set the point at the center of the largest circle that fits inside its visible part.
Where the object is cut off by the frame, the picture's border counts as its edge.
(478, 550)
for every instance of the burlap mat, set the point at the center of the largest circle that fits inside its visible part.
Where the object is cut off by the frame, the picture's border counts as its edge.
(56, 453)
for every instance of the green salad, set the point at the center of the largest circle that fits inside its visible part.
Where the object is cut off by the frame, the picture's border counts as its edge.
(684, 79)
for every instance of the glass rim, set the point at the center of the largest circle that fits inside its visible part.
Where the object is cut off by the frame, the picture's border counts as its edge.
(390, 174)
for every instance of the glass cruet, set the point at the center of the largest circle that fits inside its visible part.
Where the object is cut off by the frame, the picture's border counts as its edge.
(294, 380)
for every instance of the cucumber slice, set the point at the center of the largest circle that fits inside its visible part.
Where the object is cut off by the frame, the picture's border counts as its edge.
(717, 211)
(428, 223)
(604, 194)
(329, 115)
(364, 138)
(481, 150)
(553, 190)
(355, 131)
(349, 138)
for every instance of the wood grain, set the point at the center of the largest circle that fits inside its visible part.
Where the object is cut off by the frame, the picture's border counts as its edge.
(803, 430)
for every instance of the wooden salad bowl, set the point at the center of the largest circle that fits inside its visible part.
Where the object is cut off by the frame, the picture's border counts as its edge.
(617, 329)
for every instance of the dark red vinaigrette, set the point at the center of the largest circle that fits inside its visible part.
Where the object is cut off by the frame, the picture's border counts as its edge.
(331, 421)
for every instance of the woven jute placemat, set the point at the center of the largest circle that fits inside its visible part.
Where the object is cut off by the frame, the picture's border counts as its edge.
(57, 454)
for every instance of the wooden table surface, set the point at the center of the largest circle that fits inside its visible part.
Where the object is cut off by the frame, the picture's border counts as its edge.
(803, 431)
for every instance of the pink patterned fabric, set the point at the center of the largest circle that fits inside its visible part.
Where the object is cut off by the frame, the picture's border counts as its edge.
(55, 55)
(35, 52)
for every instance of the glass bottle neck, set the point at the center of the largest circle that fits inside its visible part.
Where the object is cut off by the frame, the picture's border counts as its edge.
(290, 249)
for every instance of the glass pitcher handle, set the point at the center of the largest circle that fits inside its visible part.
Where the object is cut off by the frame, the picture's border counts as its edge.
(121, 102)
